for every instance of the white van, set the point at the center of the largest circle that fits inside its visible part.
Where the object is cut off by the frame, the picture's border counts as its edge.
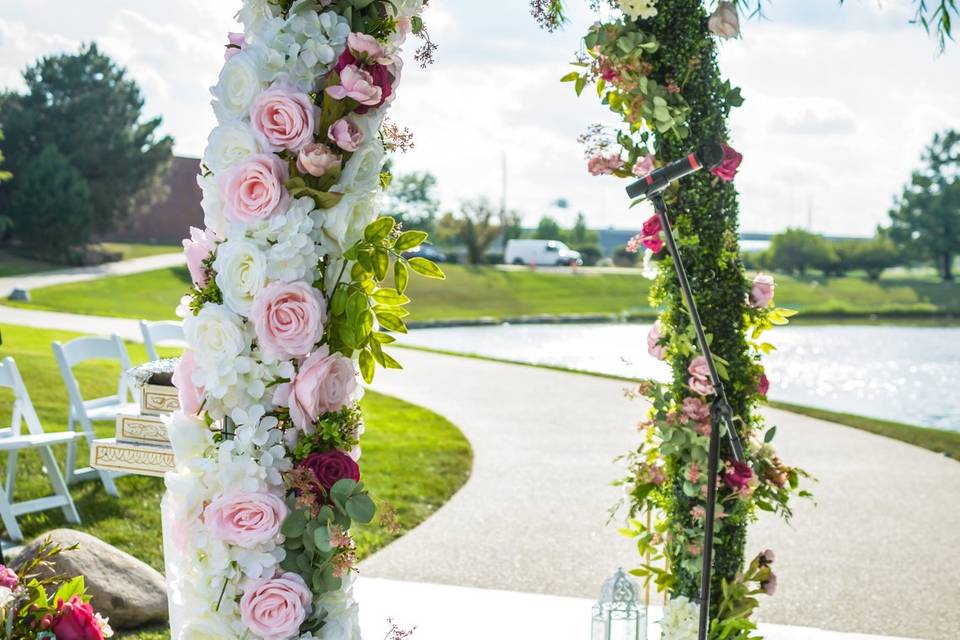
(540, 253)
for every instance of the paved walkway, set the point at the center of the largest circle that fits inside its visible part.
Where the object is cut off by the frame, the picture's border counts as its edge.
(80, 274)
(879, 553)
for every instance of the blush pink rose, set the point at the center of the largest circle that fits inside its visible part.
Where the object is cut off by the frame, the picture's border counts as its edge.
(761, 294)
(284, 118)
(696, 410)
(288, 318)
(727, 169)
(366, 48)
(346, 134)
(245, 519)
(317, 159)
(8, 577)
(700, 380)
(274, 608)
(189, 394)
(650, 236)
(604, 165)
(236, 43)
(358, 85)
(254, 189)
(324, 383)
(196, 249)
(644, 166)
(654, 348)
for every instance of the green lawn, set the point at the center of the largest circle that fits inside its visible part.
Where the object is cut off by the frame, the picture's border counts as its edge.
(474, 292)
(12, 264)
(131, 250)
(413, 459)
(17, 263)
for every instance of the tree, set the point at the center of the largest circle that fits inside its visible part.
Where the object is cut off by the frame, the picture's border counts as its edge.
(548, 229)
(876, 255)
(512, 226)
(796, 251)
(51, 205)
(412, 201)
(6, 223)
(581, 233)
(925, 218)
(87, 106)
(477, 226)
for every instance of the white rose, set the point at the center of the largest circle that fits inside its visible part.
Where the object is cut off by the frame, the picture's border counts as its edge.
(237, 88)
(189, 437)
(639, 9)
(212, 204)
(343, 224)
(241, 273)
(228, 144)
(361, 175)
(215, 334)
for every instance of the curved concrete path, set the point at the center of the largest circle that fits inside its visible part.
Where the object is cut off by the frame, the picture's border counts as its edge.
(80, 274)
(878, 554)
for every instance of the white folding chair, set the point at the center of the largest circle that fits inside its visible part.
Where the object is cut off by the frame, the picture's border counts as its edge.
(13, 440)
(86, 412)
(156, 332)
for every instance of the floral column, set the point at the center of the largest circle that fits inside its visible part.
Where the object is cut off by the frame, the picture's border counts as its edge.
(285, 313)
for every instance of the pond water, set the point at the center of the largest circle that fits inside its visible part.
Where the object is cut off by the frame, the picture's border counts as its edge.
(906, 374)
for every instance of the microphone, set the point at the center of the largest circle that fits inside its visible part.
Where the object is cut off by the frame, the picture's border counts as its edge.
(708, 156)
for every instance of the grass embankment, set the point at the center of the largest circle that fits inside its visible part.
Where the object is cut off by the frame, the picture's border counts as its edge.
(470, 293)
(413, 459)
(936, 440)
(18, 263)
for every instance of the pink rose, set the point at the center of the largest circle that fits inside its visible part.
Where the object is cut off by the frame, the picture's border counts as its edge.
(189, 394)
(379, 76)
(317, 159)
(696, 410)
(237, 42)
(727, 169)
(324, 383)
(8, 578)
(346, 134)
(284, 118)
(245, 519)
(358, 85)
(254, 189)
(196, 249)
(761, 294)
(604, 165)
(365, 48)
(76, 620)
(700, 380)
(644, 166)
(650, 236)
(288, 318)
(274, 608)
(654, 348)
(763, 386)
(404, 28)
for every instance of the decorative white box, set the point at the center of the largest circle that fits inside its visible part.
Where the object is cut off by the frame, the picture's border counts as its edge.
(140, 459)
(142, 429)
(157, 400)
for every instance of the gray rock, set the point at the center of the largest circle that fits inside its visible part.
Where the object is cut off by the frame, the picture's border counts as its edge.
(128, 591)
(20, 295)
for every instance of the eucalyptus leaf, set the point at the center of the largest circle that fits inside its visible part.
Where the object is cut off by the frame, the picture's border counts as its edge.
(361, 508)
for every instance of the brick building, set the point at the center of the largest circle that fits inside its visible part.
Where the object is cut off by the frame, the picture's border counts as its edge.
(168, 222)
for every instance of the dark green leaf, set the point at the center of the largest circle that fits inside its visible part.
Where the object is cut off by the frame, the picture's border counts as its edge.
(294, 525)
(361, 508)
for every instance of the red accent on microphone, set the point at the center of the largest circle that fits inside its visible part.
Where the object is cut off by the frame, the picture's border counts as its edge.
(694, 163)
(649, 178)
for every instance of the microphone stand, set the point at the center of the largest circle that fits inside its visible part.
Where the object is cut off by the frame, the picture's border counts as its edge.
(721, 415)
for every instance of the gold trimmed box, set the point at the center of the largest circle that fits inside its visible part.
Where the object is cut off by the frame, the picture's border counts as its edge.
(139, 459)
(142, 429)
(158, 400)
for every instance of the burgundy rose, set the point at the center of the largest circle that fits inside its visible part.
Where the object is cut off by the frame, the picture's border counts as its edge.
(331, 466)
(727, 169)
(764, 385)
(381, 77)
(75, 619)
(737, 475)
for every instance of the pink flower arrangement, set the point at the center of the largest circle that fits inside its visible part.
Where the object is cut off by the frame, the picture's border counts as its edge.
(245, 519)
(644, 166)
(700, 380)
(284, 118)
(761, 293)
(274, 608)
(727, 169)
(346, 134)
(363, 52)
(317, 159)
(602, 165)
(696, 410)
(763, 386)
(324, 383)
(196, 249)
(330, 467)
(654, 348)
(358, 85)
(650, 235)
(288, 318)
(366, 49)
(188, 393)
(737, 475)
(8, 578)
(254, 189)
(76, 620)
(235, 44)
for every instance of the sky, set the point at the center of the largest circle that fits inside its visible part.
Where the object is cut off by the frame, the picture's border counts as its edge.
(840, 101)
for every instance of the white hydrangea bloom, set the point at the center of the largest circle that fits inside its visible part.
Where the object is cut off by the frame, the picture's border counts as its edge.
(289, 241)
(681, 619)
(254, 13)
(229, 144)
(241, 273)
(639, 9)
(300, 49)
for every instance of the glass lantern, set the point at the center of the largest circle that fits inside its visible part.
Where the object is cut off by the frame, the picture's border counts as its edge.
(618, 615)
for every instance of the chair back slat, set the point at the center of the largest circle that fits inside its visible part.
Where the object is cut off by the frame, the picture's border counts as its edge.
(79, 350)
(23, 409)
(155, 333)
